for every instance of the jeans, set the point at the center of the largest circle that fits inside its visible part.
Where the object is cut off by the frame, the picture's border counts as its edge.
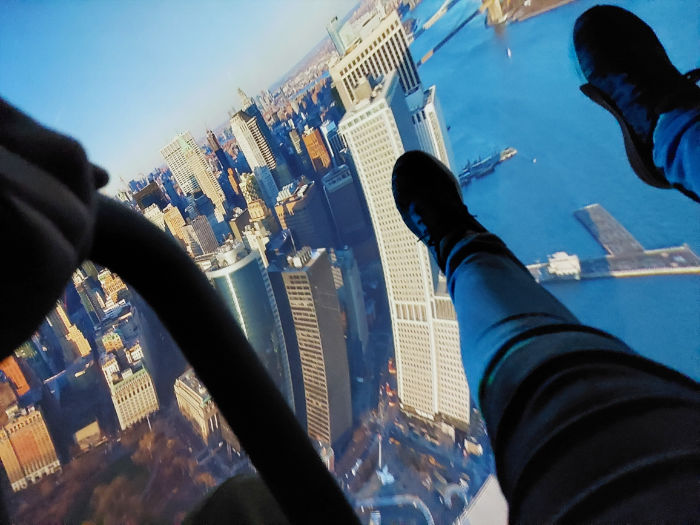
(583, 429)
(677, 147)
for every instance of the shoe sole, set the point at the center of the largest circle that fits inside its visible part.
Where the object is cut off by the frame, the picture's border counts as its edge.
(439, 165)
(642, 164)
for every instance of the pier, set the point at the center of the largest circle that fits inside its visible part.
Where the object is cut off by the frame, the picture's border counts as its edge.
(612, 235)
(626, 255)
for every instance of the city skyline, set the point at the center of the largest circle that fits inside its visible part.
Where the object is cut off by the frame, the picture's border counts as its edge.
(91, 69)
(346, 310)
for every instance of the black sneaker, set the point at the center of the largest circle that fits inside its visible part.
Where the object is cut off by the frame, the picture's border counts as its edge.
(429, 200)
(630, 75)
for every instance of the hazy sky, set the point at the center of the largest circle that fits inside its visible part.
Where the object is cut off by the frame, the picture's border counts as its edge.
(124, 77)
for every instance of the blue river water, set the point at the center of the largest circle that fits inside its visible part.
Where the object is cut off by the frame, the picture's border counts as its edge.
(570, 154)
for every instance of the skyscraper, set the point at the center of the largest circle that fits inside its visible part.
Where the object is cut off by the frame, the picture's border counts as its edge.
(90, 293)
(333, 28)
(296, 141)
(259, 213)
(204, 234)
(320, 159)
(174, 221)
(154, 214)
(351, 296)
(240, 278)
(430, 374)
(316, 314)
(303, 211)
(151, 194)
(259, 186)
(346, 208)
(227, 179)
(380, 52)
(333, 140)
(218, 152)
(426, 115)
(257, 143)
(26, 449)
(191, 171)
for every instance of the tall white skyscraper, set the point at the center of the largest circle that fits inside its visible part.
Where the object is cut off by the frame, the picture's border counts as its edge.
(431, 378)
(256, 150)
(426, 115)
(382, 49)
(191, 170)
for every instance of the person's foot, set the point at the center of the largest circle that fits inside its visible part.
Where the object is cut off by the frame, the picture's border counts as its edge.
(630, 75)
(428, 198)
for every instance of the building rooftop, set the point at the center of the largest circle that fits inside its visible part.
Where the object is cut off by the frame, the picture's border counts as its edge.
(128, 375)
(304, 257)
(192, 382)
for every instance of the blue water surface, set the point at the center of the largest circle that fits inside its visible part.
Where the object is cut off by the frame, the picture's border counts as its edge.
(570, 154)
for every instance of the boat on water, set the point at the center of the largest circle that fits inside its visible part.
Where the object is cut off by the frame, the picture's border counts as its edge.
(482, 167)
(508, 153)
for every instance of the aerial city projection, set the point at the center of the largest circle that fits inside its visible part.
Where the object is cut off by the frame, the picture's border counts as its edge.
(286, 207)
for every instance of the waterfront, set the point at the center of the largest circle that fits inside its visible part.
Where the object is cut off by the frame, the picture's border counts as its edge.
(570, 154)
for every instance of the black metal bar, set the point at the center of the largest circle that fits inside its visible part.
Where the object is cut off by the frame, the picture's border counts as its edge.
(216, 347)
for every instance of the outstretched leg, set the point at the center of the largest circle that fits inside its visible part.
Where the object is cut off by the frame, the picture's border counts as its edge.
(583, 429)
(657, 107)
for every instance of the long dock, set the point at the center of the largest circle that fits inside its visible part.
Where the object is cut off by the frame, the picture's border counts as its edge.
(626, 255)
(612, 235)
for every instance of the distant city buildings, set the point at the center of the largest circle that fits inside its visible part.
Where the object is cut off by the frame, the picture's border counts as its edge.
(218, 152)
(27, 451)
(333, 28)
(257, 143)
(431, 380)
(315, 311)
(228, 179)
(191, 171)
